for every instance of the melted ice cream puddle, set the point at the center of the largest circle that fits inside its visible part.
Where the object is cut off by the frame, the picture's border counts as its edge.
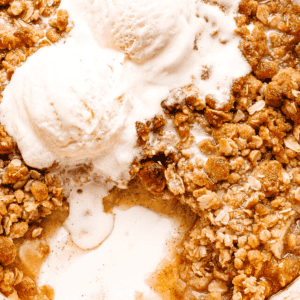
(118, 268)
(87, 223)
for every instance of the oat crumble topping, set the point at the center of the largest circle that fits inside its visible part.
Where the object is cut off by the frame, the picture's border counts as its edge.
(245, 243)
(27, 195)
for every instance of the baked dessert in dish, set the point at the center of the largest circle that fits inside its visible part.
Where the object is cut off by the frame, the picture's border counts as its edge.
(188, 108)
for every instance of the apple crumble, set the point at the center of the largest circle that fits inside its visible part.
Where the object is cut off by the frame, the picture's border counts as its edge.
(242, 182)
(245, 243)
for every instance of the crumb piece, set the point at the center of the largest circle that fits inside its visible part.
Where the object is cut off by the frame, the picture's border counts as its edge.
(292, 144)
(234, 178)
(35, 174)
(6, 142)
(255, 156)
(217, 168)
(209, 200)
(26, 288)
(199, 177)
(272, 182)
(142, 130)
(227, 130)
(258, 106)
(239, 116)
(217, 118)
(246, 131)
(7, 251)
(52, 35)
(297, 194)
(228, 147)
(16, 8)
(180, 118)
(37, 232)
(62, 19)
(18, 230)
(265, 235)
(39, 191)
(207, 147)
(152, 177)
(174, 181)
(266, 70)
(234, 198)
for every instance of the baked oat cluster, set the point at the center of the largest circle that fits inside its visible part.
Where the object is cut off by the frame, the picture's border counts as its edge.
(27, 196)
(245, 244)
(25, 27)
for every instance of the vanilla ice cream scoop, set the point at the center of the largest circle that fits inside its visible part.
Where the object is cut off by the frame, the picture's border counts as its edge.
(139, 28)
(69, 107)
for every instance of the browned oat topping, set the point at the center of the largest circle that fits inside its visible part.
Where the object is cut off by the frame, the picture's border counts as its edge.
(23, 31)
(27, 196)
(245, 243)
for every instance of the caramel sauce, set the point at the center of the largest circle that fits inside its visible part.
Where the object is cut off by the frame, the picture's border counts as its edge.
(164, 281)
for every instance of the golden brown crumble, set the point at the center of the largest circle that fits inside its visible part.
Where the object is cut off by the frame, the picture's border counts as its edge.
(27, 196)
(207, 147)
(24, 29)
(245, 244)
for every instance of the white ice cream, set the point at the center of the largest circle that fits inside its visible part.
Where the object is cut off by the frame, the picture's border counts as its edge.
(139, 28)
(81, 101)
(61, 120)
(87, 222)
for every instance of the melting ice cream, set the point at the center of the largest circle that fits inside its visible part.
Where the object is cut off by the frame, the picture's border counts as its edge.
(82, 98)
(68, 106)
(142, 29)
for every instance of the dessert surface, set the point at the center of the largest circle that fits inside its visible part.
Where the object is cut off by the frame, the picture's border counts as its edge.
(188, 108)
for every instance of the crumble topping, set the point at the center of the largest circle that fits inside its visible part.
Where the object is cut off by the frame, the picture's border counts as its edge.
(25, 27)
(245, 189)
(27, 196)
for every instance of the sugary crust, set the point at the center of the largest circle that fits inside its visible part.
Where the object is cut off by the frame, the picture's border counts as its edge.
(245, 244)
